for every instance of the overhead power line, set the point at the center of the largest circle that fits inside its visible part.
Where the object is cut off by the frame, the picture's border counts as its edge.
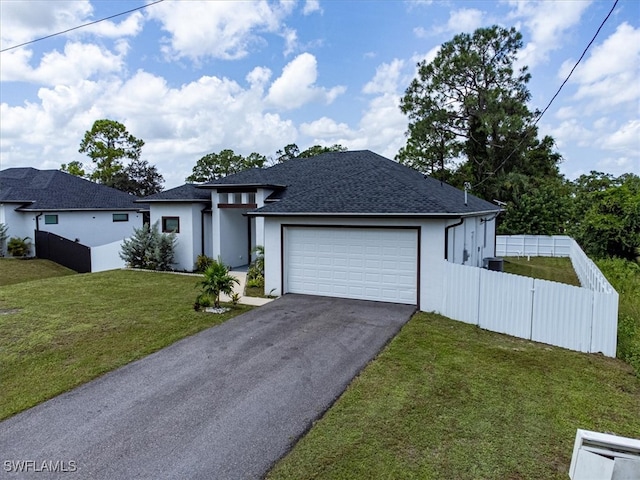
(555, 95)
(577, 63)
(79, 26)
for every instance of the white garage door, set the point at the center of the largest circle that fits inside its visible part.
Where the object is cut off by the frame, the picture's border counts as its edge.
(367, 263)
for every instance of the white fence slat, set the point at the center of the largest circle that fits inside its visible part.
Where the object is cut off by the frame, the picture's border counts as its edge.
(460, 300)
(562, 315)
(605, 323)
(505, 303)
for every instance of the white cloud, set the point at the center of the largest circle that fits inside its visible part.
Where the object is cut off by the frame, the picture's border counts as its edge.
(258, 77)
(381, 128)
(296, 86)
(386, 79)
(227, 30)
(311, 6)
(465, 20)
(24, 21)
(179, 125)
(547, 23)
(78, 61)
(625, 140)
(129, 27)
(608, 78)
(291, 41)
(325, 129)
(420, 32)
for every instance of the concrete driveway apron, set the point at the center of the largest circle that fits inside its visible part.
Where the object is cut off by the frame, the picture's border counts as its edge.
(223, 404)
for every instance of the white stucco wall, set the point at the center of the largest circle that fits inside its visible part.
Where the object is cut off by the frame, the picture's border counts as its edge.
(18, 224)
(92, 228)
(234, 237)
(432, 244)
(189, 239)
(472, 241)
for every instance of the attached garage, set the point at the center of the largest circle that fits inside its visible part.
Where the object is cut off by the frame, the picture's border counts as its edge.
(368, 263)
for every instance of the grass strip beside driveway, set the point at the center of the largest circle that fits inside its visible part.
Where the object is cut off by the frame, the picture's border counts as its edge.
(68, 330)
(447, 400)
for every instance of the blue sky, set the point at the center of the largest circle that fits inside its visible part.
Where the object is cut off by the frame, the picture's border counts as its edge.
(194, 77)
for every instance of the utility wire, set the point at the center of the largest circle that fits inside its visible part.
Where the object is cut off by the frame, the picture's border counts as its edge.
(554, 96)
(579, 60)
(80, 26)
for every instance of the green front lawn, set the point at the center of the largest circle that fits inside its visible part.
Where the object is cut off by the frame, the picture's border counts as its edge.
(18, 270)
(61, 332)
(447, 400)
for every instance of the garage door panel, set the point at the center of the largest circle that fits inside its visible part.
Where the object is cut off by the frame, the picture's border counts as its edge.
(368, 263)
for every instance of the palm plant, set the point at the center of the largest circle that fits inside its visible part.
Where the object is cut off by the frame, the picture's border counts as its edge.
(216, 281)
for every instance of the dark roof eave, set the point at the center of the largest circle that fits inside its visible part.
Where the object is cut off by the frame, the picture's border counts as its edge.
(174, 200)
(390, 215)
(101, 209)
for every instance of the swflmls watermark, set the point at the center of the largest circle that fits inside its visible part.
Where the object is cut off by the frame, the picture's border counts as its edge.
(49, 466)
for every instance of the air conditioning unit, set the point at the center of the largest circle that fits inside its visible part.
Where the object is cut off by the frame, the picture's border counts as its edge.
(602, 456)
(493, 263)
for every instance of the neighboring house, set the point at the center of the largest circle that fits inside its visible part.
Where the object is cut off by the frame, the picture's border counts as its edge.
(345, 224)
(74, 208)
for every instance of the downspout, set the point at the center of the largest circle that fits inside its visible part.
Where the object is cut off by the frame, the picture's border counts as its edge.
(446, 237)
(37, 230)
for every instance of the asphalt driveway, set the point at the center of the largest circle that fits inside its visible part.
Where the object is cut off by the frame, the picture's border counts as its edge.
(224, 404)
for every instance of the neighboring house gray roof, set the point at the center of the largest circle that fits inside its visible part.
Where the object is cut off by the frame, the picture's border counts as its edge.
(356, 182)
(188, 192)
(54, 190)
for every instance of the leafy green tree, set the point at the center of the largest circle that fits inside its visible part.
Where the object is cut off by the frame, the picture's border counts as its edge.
(74, 168)
(217, 280)
(292, 151)
(217, 165)
(107, 144)
(606, 216)
(318, 149)
(138, 178)
(543, 210)
(287, 153)
(110, 146)
(469, 104)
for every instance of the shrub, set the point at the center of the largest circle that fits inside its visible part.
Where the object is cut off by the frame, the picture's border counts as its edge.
(3, 237)
(202, 262)
(18, 247)
(149, 249)
(255, 274)
(256, 282)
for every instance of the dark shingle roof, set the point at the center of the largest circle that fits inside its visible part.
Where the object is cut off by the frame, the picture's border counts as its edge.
(184, 193)
(56, 190)
(357, 182)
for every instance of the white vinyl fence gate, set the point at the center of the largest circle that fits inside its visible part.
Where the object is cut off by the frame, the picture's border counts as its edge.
(578, 318)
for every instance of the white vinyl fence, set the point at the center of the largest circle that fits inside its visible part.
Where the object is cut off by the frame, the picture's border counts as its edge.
(578, 318)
